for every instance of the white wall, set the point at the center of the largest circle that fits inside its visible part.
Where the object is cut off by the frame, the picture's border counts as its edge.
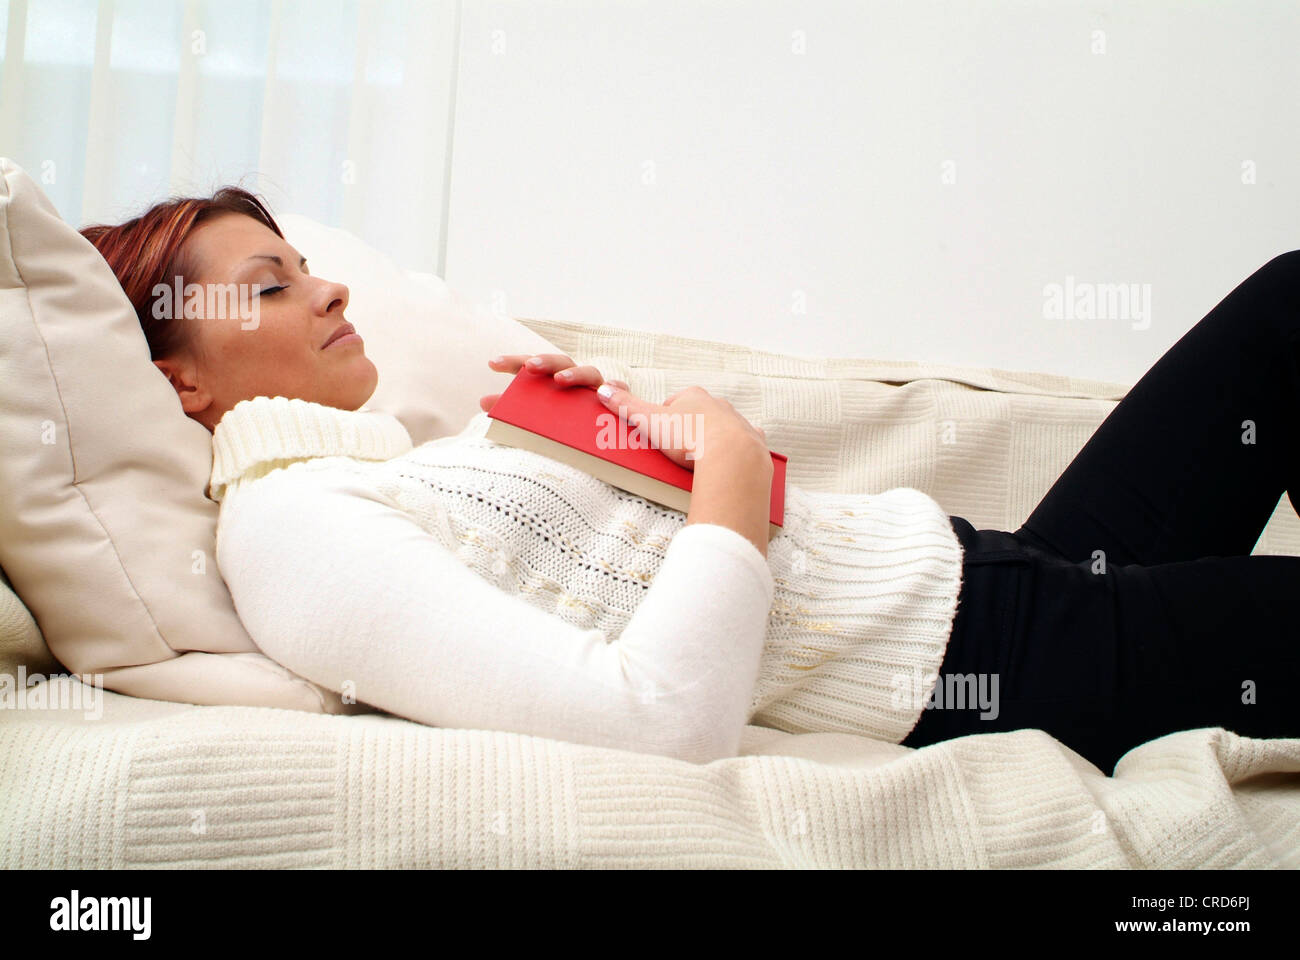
(685, 166)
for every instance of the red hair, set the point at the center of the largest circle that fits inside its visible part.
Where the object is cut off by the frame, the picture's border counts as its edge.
(149, 250)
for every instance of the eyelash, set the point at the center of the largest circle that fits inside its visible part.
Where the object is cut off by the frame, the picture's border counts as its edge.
(269, 291)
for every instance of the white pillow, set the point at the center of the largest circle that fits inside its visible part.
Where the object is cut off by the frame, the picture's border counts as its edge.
(430, 346)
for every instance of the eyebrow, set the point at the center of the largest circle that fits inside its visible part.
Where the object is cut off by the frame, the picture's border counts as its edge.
(302, 261)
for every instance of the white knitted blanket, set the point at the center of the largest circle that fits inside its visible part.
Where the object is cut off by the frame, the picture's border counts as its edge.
(163, 784)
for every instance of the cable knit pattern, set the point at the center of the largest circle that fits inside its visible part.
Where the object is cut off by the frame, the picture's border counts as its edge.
(865, 585)
(261, 445)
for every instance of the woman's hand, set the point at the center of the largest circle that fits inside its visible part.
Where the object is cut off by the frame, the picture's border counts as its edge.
(691, 426)
(562, 368)
(732, 486)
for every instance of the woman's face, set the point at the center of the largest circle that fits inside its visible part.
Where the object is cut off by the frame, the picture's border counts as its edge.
(231, 358)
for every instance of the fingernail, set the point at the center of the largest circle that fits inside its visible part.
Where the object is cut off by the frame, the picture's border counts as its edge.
(498, 359)
(605, 391)
(534, 361)
(566, 374)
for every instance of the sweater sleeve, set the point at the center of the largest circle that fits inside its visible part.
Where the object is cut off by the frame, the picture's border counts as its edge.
(340, 585)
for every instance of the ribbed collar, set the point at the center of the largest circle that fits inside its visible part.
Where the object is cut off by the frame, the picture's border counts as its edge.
(257, 435)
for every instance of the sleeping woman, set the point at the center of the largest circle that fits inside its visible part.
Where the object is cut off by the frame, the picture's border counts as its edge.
(468, 584)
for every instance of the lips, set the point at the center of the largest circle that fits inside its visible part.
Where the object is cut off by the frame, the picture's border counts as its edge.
(342, 331)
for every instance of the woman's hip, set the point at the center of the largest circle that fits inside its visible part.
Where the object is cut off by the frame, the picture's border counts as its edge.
(1103, 657)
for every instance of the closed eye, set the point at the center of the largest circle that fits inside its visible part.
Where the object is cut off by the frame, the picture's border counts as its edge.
(269, 291)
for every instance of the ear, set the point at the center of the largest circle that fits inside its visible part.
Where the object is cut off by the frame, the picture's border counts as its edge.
(180, 373)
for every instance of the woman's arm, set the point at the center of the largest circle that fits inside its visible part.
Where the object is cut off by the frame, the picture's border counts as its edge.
(342, 586)
(733, 488)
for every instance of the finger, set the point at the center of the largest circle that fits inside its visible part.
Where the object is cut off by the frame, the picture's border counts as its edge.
(508, 363)
(621, 384)
(547, 362)
(512, 362)
(585, 376)
(627, 405)
(485, 403)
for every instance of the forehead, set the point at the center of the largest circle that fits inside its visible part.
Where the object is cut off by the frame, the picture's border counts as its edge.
(227, 240)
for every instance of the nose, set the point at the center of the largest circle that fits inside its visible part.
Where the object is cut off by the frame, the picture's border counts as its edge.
(332, 296)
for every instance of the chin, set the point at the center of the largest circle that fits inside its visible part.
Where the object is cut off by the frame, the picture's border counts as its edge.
(367, 381)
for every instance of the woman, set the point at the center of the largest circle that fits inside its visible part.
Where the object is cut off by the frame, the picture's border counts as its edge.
(468, 584)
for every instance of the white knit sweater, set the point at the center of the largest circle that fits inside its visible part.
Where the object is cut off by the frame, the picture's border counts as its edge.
(465, 583)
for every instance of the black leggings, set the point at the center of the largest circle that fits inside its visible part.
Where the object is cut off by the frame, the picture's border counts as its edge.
(1127, 606)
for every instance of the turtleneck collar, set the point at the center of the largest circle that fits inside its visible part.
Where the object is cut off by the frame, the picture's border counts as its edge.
(259, 435)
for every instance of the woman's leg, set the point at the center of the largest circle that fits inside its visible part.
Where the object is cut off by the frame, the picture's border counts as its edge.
(1192, 461)
(1153, 638)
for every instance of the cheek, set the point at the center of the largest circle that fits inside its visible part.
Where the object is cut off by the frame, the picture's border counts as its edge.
(260, 357)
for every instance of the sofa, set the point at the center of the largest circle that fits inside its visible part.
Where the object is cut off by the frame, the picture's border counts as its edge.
(141, 727)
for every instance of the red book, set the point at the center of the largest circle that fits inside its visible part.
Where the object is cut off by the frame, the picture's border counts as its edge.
(572, 425)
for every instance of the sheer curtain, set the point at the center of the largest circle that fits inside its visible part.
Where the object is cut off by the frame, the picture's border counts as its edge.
(341, 110)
